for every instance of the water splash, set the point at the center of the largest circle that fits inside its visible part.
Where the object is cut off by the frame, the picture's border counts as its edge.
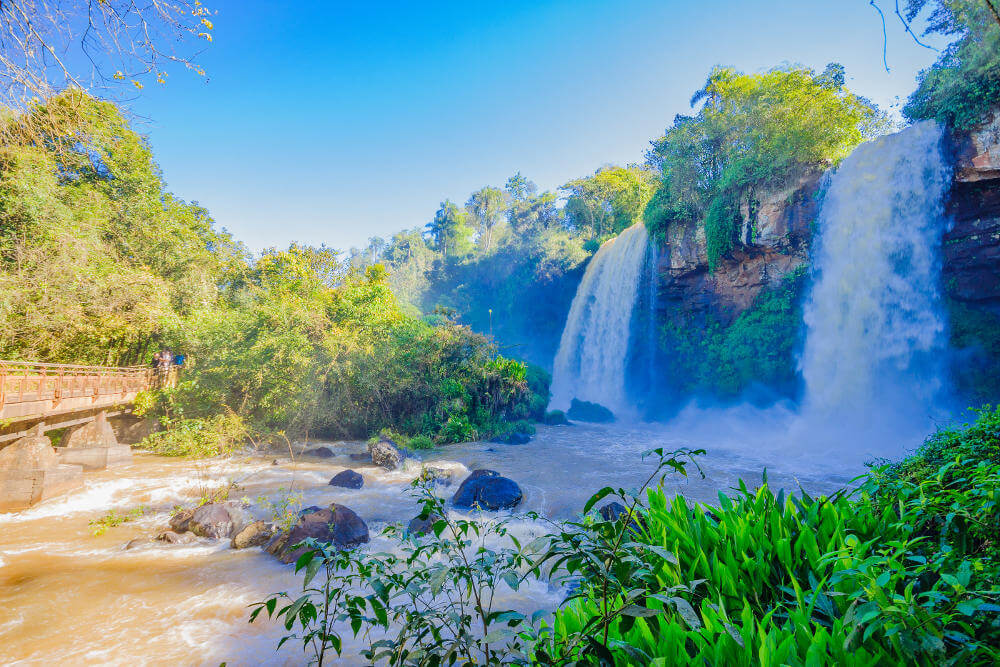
(593, 351)
(874, 326)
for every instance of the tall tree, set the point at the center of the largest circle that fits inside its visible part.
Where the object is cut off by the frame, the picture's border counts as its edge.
(609, 201)
(487, 206)
(449, 230)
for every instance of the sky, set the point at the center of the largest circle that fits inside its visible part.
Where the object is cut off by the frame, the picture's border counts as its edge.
(332, 122)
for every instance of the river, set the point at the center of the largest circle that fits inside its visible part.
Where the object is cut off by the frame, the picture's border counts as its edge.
(68, 597)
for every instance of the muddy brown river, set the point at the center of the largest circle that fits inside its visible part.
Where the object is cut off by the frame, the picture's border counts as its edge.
(70, 598)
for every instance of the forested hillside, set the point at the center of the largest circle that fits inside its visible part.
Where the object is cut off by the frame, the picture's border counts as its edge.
(100, 263)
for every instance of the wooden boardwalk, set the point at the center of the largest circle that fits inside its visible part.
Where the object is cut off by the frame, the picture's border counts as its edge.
(43, 396)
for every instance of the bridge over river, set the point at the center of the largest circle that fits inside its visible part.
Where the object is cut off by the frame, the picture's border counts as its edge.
(36, 398)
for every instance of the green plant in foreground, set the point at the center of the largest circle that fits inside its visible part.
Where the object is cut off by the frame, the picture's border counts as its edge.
(434, 599)
(113, 519)
(903, 570)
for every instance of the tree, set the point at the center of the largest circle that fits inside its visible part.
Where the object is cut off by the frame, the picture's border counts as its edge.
(47, 46)
(963, 85)
(450, 231)
(520, 188)
(752, 131)
(609, 201)
(487, 206)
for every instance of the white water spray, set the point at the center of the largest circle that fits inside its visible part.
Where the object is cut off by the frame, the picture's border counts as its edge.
(875, 331)
(593, 351)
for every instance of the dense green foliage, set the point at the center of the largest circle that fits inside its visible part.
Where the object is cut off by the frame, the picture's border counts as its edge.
(964, 84)
(753, 132)
(508, 264)
(99, 263)
(706, 356)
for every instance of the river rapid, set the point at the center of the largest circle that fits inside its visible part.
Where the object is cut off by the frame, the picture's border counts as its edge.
(69, 598)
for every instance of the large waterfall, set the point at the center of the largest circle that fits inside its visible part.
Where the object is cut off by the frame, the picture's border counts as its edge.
(593, 352)
(874, 326)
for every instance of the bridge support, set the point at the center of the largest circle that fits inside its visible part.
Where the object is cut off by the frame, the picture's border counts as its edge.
(30, 472)
(94, 446)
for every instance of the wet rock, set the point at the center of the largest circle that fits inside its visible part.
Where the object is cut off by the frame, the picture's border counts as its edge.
(321, 452)
(337, 525)
(487, 489)
(138, 543)
(513, 438)
(386, 454)
(589, 412)
(348, 479)
(435, 476)
(180, 520)
(256, 534)
(361, 456)
(418, 526)
(170, 537)
(217, 520)
(613, 511)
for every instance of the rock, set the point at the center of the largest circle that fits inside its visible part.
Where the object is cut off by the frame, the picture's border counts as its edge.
(321, 452)
(589, 412)
(361, 456)
(513, 438)
(32, 452)
(977, 151)
(348, 479)
(337, 525)
(180, 520)
(170, 537)
(138, 543)
(418, 526)
(613, 511)
(386, 454)
(256, 534)
(216, 520)
(435, 476)
(486, 489)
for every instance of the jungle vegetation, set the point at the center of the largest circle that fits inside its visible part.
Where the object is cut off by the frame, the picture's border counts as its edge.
(100, 264)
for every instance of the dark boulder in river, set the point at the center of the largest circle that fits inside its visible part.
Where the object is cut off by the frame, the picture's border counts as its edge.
(321, 452)
(337, 525)
(386, 453)
(589, 412)
(348, 479)
(487, 489)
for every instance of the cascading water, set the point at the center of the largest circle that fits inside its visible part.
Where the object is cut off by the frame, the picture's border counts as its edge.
(593, 351)
(874, 326)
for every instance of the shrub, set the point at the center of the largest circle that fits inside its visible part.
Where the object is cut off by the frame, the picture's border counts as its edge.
(199, 438)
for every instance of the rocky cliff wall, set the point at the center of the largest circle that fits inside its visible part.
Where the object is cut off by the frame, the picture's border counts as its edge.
(776, 240)
(714, 340)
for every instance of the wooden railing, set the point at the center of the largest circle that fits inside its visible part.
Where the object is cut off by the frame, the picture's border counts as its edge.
(31, 382)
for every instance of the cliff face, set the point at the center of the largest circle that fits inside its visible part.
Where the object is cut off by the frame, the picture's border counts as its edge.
(776, 241)
(971, 252)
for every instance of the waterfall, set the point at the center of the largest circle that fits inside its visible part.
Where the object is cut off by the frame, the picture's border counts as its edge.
(593, 351)
(874, 326)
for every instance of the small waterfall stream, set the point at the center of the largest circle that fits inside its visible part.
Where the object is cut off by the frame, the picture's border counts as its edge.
(875, 330)
(593, 351)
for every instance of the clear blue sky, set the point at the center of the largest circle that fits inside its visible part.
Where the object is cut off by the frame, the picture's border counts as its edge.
(335, 121)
